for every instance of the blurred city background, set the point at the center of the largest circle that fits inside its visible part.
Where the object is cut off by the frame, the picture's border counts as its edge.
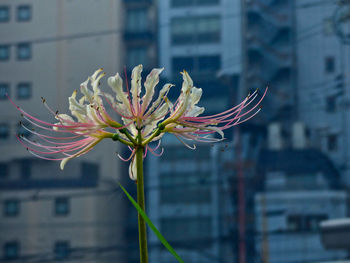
(276, 191)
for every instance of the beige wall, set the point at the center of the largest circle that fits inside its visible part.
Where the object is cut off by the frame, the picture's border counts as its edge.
(57, 68)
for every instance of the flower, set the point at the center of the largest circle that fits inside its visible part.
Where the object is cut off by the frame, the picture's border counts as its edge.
(143, 119)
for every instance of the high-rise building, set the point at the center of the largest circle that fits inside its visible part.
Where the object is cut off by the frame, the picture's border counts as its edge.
(323, 78)
(269, 54)
(140, 34)
(203, 38)
(47, 49)
(141, 47)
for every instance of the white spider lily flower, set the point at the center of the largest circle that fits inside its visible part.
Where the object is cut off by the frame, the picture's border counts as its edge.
(143, 120)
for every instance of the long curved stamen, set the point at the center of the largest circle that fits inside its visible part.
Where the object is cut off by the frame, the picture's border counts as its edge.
(129, 158)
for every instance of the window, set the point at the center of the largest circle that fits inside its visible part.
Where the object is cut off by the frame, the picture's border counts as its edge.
(181, 63)
(137, 20)
(331, 104)
(61, 250)
(199, 64)
(294, 223)
(329, 65)
(4, 131)
(24, 13)
(208, 63)
(197, 189)
(184, 3)
(332, 142)
(204, 29)
(4, 52)
(26, 168)
(62, 206)
(187, 228)
(89, 170)
(24, 51)
(4, 170)
(11, 207)
(305, 222)
(24, 90)
(23, 129)
(4, 14)
(137, 56)
(4, 89)
(11, 250)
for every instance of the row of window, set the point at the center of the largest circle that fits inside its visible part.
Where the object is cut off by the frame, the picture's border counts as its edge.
(198, 64)
(11, 250)
(184, 3)
(88, 170)
(199, 29)
(23, 13)
(24, 52)
(11, 207)
(23, 90)
(305, 222)
(5, 131)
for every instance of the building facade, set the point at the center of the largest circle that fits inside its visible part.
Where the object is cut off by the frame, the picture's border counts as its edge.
(323, 79)
(47, 49)
(268, 50)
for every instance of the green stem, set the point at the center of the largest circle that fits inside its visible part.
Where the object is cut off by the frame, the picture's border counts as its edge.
(141, 202)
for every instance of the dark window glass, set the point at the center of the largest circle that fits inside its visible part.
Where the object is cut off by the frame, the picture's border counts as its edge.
(4, 14)
(312, 222)
(4, 170)
(137, 56)
(89, 170)
(184, 3)
(201, 29)
(62, 206)
(208, 63)
(331, 104)
(11, 207)
(329, 65)
(23, 129)
(24, 13)
(24, 51)
(4, 89)
(332, 142)
(295, 223)
(61, 250)
(26, 168)
(187, 229)
(181, 63)
(24, 90)
(137, 20)
(11, 250)
(4, 131)
(4, 52)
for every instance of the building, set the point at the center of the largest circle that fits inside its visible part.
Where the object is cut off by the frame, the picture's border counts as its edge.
(301, 188)
(202, 37)
(323, 79)
(182, 203)
(140, 34)
(47, 49)
(268, 52)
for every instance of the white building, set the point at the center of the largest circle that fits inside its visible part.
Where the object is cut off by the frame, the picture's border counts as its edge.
(199, 36)
(323, 63)
(301, 189)
(47, 48)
